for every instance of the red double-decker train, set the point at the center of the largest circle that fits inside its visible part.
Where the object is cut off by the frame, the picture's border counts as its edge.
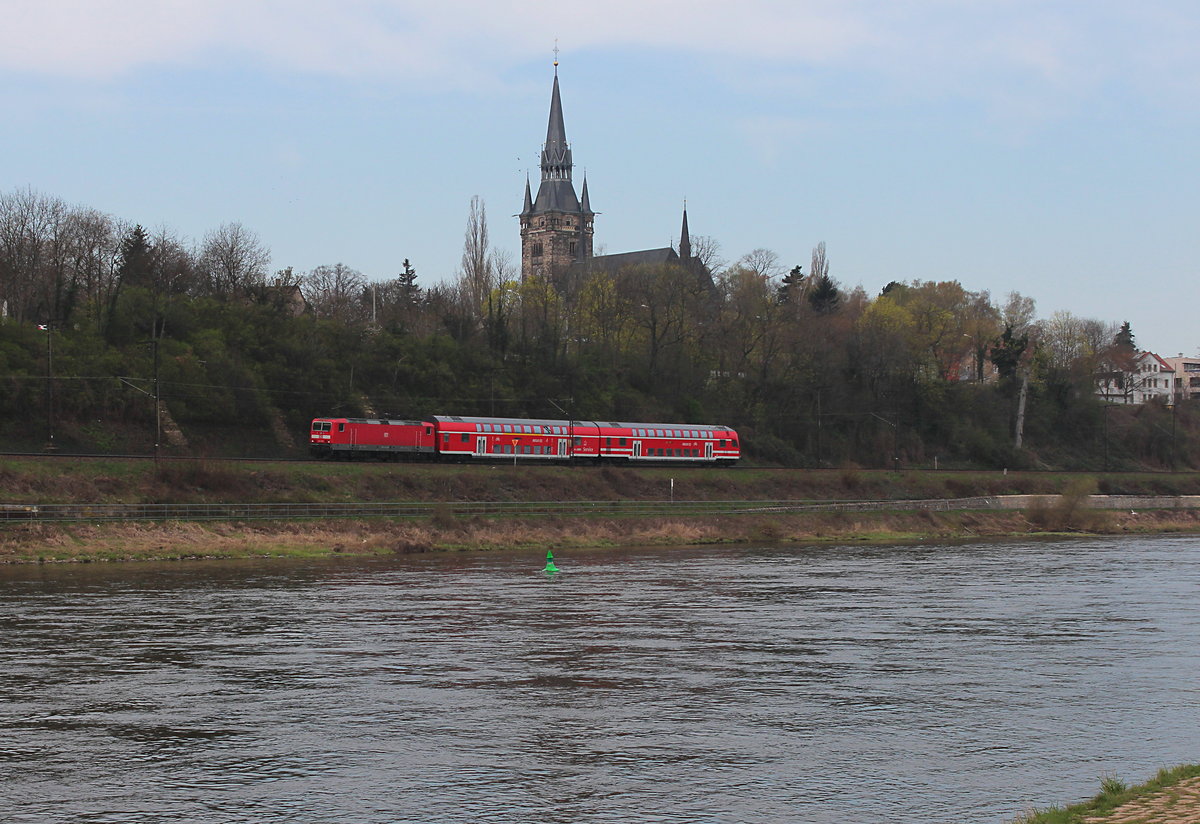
(461, 438)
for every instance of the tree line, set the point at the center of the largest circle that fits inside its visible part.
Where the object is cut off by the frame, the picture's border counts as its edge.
(813, 372)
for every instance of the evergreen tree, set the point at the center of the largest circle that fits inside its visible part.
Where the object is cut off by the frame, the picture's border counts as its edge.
(824, 297)
(407, 281)
(1124, 338)
(136, 267)
(791, 285)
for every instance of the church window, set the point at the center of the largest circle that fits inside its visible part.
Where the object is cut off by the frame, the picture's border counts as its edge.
(571, 250)
(537, 250)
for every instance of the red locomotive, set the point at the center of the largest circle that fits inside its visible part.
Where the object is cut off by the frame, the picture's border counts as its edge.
(453, 437)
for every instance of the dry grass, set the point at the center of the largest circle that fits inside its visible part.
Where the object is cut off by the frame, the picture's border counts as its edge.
(26, 543)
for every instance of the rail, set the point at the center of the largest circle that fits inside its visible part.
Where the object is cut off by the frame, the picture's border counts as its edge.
(464, 509)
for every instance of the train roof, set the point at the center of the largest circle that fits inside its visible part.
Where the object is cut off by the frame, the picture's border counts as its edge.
(645, 425)
(559, 422)
(477, 419)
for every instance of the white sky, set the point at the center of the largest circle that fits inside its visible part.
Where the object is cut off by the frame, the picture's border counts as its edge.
(1044, 147)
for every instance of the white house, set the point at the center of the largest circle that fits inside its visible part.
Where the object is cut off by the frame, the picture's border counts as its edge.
(1145, 378)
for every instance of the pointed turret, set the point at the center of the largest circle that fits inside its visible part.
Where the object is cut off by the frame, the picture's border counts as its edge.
(685, 240)
(527, 209)
(585, 205)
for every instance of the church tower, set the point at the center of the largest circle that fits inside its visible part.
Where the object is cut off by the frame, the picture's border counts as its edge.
(556, 226)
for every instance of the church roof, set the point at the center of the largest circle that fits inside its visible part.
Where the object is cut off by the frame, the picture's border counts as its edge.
(556, 196)
(617, 262)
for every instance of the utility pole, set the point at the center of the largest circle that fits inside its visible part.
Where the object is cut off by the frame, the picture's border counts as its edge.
(49, 328)
(157, 403)
(1106, 407)
(818, 427)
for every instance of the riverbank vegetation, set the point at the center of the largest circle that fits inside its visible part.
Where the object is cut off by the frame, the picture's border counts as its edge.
(44, 480)
(40, 481)
(101, 317)
(195, 540)
(1171, 797)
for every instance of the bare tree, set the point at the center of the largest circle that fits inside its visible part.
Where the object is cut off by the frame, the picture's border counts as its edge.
(27, 222)
(233, 259)
(336, 292)
(707, 250)
(820, 264)
(476, 272)
(761, 262)
(1019, 313)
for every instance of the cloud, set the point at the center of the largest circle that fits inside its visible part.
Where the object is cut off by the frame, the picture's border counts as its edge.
(1045, 49)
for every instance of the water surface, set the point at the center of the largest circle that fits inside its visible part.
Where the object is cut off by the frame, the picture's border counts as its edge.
(832, 684)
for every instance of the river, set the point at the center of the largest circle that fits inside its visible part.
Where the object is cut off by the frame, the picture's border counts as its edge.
(958, 683)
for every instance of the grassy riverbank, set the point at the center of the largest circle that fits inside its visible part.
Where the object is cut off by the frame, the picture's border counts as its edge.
(1171, 797)
(70, 480)
(49, 543)
(42, 481)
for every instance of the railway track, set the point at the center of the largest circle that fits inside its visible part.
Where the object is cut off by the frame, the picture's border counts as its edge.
(98, 513)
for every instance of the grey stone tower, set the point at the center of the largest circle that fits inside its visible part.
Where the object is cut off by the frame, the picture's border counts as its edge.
(556, 226)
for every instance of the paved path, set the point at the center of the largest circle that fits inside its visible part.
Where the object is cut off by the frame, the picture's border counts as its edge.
(1179, 804)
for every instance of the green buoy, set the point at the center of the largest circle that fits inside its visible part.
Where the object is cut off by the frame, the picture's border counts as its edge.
(549, 567)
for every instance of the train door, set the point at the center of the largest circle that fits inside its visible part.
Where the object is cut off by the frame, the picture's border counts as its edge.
(637, 449)
(562, 447)
(480, 445)
(708, 452)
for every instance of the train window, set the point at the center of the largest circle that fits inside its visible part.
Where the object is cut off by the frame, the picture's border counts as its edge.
(608, 442)
(341, 427)
(721, 443)
(578, 440)
(465, 438)
(733, 444)
(429, 430)
(445, 437)
(622, 442)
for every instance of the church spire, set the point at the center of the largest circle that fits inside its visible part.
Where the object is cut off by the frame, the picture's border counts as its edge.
(685, 240)
(527, 209)
(556, 154)
(585, 205)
